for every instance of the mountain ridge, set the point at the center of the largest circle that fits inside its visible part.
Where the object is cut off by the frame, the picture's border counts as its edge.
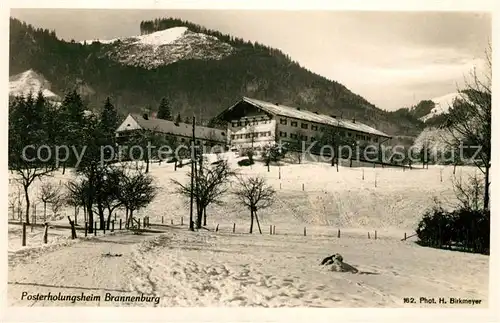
(193, 85)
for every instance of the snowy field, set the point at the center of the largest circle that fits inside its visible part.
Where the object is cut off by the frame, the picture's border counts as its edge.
(226, 269)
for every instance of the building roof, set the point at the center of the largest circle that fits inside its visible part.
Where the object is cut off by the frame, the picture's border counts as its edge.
(282, 110)
(181, 129)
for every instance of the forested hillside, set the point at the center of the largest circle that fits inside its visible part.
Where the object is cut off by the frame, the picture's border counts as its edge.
(200, 86)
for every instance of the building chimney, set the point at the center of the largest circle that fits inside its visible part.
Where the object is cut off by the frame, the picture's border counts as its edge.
(145, 116)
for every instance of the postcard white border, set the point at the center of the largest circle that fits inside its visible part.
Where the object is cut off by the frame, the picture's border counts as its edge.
(84, 314)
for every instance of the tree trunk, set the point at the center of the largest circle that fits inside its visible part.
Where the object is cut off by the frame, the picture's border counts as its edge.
(258, 224)
(27, 197)
(109, 219)
(251, 220)
(45, 211)
(205, 216)
(64, 168)
(486, 200)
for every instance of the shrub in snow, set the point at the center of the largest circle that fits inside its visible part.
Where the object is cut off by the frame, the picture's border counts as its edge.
(462, 229)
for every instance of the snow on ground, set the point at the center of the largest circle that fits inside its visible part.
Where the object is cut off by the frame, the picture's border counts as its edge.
(225, 269)
(181, 268)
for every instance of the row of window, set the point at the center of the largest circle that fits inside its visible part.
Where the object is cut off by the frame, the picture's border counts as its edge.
(302, 125)
(241, 123)
(341, 133)
(296, 136)
(251, 135)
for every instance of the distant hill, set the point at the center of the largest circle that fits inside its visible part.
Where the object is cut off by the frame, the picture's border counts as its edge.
(200, 71)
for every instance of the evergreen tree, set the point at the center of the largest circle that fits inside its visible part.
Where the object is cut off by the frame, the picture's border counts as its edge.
(109, 118)
(178, 119)
(164, 110)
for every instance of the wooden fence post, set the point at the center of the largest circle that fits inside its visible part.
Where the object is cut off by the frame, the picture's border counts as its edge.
(24, 235)
(172, 221)
(338, 233)
(120, 223)
(144, 222)
(46, 233)
(182, 220)
(274, 229)
(113, 226)
(305, 231)
(375, 234)
(405, 237)
(270, 229)
(368, 235)
(86, 228)
(217, 228)
(302, 186)
(73, 230)
(234, 227)
(162, 219)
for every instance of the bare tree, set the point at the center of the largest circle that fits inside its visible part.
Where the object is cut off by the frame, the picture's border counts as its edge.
(469, 193)
(77, 195)
(255, 194)
(49, 194)
(469, 121)
(14, 200)
(136, 190)
(209, 185)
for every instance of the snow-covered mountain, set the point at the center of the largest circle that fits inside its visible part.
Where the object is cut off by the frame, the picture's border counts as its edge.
(442, 105)
(31, 81)
(164, 47)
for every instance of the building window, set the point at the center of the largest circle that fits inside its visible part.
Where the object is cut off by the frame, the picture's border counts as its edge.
(269, 133)
(239, 123)
(197, 142)
(293, 136)
(313, 127)
(304, 125)
(304, 138)
(247, 136)
(375, 139)
(342, 133)
(293, 123)
(234, 124)
(232, 137)
(283, 121)
(322, 129)
(349, 134)
(282, 134)
(313, 139)
(183, 140)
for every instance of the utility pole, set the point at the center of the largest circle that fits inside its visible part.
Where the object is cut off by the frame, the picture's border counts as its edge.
(193, 158)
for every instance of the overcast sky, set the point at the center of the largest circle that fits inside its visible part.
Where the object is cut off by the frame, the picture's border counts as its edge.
(393, 59)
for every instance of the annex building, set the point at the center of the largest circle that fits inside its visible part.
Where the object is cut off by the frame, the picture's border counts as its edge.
(252, 122)
(182, 132)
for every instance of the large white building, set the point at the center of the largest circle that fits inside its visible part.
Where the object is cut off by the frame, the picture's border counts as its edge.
(252, 122)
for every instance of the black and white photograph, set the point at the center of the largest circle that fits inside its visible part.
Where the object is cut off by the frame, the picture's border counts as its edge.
(239, 158)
